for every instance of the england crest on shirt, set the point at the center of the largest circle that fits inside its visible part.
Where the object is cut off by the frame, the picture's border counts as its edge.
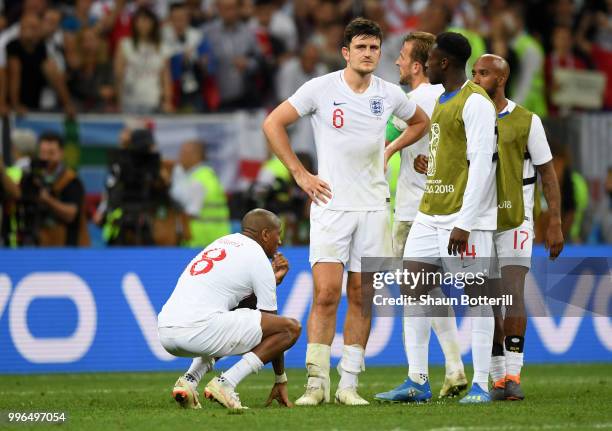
(377, 106)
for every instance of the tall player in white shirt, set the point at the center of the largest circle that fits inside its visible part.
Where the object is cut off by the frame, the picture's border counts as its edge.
(458, 205)
(513, 246)
(410, 187)
(198, 321)
(350, 216)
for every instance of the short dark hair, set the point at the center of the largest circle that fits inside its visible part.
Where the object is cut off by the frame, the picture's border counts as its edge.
(361, 27)
(456, 46)
(52, 136)
(421, 44)
(180, 4)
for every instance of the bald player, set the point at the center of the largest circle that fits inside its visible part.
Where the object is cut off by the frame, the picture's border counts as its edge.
(200, 319)
(523, 153)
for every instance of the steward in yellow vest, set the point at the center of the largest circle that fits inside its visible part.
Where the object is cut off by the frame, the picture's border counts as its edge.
(198, 190)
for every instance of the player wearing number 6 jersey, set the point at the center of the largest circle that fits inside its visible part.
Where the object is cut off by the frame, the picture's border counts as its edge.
(350, 216)
(523, 149)
(197, 320)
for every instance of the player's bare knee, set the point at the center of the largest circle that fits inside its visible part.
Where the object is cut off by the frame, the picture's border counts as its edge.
(326, 302)
(295, 329)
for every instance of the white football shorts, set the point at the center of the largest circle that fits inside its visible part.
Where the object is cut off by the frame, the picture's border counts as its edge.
(222, 334)
(430, 245)
(347, 236)
(513, 247)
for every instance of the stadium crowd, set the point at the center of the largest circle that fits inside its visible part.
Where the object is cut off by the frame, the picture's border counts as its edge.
(199, 56)
(147, 56)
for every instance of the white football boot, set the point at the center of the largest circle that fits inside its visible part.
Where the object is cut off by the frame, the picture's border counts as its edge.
(317, 392)
(454, 384)
(350, 397)
(185, 394)
(222, 392)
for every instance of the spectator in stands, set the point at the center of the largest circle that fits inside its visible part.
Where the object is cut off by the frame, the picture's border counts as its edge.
(529, 87)
(403, 16)
(197, 189)
(30, 69)
(562, 56)
(198, 15)
(91, 80)
(54, 36)
(142, 73)
(498, 43)
(190, 59)
(277, 25)
(61, 197)
(298, 70)
(599, 47)
(235, 48)
(27, 7)
(291, 76)
(80, 17)
(328, 40)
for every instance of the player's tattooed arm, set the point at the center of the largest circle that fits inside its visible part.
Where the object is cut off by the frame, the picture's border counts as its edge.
(274, 127)
(553, 240)
(280, 266)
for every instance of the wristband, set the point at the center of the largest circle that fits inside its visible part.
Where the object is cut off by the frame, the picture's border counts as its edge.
(280, 378)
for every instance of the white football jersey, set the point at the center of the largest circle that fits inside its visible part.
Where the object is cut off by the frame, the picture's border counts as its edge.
(538, 148)
(410, 184)
(349, 131)
(217, 279)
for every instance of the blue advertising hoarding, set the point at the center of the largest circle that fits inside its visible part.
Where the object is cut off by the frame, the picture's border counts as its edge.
(95, 310)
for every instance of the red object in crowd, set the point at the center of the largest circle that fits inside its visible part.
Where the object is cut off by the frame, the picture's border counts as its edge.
(603, 61)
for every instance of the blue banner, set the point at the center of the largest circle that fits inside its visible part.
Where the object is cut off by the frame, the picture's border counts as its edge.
(95, 310)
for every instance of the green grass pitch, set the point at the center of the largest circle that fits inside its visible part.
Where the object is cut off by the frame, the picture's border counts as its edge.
(559, 397)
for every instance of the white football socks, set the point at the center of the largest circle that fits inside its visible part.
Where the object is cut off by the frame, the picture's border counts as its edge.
(199, 367)
(351, 364)
(483, 326)
(317, 363)
(417, 329)
(249, 363)
(498, 368)
(514, 363)
(445, 329)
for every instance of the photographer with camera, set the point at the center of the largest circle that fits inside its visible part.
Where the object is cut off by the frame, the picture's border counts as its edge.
(137, 209)
(51, 209)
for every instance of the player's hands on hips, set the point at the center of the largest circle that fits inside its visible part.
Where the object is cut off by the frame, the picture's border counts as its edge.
(280, 266)
(457, 241)
(554, 239)
(317, 189)
(420, 164)
(280, 394)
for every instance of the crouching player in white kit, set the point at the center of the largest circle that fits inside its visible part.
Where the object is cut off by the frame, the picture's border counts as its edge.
(197, 322)
(350, 216)
(523, 149)
(410, 188)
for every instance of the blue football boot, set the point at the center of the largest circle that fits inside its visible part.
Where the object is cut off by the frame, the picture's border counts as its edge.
(407, 392)
(476, 395)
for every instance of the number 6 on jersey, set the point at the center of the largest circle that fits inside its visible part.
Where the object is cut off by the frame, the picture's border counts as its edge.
(338, 118)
